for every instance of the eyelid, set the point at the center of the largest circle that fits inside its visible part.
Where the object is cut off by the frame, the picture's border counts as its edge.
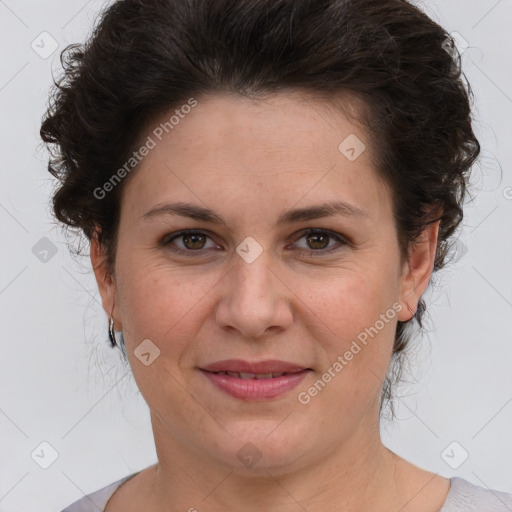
(344, 241)
(340, 239)
(167, 239)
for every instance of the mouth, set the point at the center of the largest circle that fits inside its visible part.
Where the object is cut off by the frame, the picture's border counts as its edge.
(254, 381)
(254, 376)
(265, 367)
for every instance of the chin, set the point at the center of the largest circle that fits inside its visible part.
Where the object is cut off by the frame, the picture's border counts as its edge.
(257, 446)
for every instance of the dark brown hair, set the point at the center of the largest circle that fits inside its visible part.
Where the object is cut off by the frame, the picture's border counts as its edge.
(148, 56)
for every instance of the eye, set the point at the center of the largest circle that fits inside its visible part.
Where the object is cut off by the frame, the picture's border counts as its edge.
(193, 241)
(318, 242)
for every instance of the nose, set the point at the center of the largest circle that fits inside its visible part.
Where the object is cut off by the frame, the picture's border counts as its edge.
(255, 299)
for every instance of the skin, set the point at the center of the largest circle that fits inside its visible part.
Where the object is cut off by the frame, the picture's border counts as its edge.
(249, 161)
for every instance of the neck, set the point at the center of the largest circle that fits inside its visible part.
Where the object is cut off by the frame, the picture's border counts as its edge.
(358, 475)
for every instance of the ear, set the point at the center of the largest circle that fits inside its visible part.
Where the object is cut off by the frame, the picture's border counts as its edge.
(104, 279)
(417, 270)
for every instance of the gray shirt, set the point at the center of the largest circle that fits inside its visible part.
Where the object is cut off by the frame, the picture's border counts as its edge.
(462, 497)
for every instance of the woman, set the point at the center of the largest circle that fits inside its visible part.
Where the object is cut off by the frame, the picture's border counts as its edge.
(267, 187)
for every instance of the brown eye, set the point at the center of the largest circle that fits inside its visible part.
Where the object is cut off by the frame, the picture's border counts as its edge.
(191, 241)
(318, 242)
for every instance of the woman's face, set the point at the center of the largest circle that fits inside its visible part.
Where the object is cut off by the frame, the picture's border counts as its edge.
(254, 285)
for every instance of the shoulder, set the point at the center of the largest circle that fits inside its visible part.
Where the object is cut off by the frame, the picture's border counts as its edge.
(97, 500)
(467, 497)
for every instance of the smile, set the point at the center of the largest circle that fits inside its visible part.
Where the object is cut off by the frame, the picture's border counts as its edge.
(255, 386)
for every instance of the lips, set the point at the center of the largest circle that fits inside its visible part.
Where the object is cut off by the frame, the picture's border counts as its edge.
(250, 370)
(260, 380)
(248, 375)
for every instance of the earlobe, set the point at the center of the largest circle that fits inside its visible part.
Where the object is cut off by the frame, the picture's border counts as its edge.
(418, 270)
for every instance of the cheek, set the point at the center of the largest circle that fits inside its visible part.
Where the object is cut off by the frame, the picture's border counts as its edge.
(349, 300)
(355, 346)
(163, 303)
(353, 322)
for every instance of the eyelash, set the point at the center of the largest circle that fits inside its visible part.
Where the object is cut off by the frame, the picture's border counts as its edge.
(166, 241)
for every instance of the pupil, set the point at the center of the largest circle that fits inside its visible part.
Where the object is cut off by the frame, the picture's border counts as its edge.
(316, 237)
(195, 238)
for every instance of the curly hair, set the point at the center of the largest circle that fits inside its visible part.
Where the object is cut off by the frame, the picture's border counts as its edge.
(145, 57)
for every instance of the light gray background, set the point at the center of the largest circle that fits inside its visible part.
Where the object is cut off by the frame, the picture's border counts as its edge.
(62, 384)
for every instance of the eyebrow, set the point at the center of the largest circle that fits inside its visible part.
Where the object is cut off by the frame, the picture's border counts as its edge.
(334, 208)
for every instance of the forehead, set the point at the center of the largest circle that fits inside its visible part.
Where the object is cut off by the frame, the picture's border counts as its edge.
(228, 146)
(275, 122)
